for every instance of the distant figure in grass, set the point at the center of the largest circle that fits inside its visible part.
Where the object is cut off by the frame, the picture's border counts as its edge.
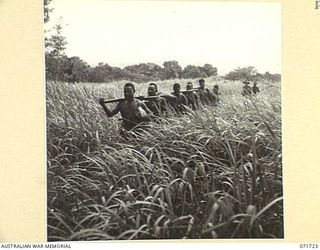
(216, 93)
(192, 97)
(158, 105)
(246, 89)
(205, 95)
(255, 88)
(132, 110)
(178, 101)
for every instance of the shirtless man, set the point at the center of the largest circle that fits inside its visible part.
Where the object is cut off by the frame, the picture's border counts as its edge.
(205, 95)
(132, 110)
(155, 90)
(179, 101)
(158, 105)
(192, 97)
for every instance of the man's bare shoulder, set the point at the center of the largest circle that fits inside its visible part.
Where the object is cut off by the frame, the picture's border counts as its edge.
(121, 103)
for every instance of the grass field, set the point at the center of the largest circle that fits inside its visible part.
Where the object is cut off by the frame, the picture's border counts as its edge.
(214, 173)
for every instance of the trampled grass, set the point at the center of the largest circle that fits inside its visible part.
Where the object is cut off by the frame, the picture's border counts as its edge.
(213, 173)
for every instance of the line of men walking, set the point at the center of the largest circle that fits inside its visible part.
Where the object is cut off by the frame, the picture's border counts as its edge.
(247, 90)
(136, 110)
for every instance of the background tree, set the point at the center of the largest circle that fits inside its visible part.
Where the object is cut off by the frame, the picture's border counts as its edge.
(210, 70)
(272, 77)
(117, 74)
(246, 73)
(101, 73)
(46, 10)
(171, 70)
(142, 72)
(251, 74)
(76, 69)
(191, 71)
(54, 53)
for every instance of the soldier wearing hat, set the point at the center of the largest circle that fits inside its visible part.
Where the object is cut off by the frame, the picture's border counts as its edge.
(246, 89)
(255, 88)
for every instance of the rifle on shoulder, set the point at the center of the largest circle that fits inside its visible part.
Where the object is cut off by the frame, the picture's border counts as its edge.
(189, 90)
(114, 100)
(141, 98)
(147, 98)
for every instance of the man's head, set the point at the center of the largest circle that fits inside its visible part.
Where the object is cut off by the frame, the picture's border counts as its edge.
(216, 86)
(152, 89)
(246, 82)
(129, 90)
(155, 85)
(201, 83)
(255, 83)
(189, 86)
(176, 88)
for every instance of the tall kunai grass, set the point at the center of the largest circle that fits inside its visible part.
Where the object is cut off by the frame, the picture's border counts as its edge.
(213, 173)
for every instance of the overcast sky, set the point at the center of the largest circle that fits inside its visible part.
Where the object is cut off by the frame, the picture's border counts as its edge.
(121, 33)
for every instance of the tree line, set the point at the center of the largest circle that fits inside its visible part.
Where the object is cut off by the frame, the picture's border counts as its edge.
(250, 73)
(74, 69)
(60, 67)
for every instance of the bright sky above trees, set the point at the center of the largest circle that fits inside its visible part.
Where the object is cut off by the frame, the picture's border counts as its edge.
(121, 33)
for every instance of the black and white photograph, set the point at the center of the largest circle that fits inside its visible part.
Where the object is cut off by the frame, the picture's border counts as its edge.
(163, 120)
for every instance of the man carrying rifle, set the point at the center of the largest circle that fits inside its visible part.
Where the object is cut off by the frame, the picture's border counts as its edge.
(132, 110)
(178, 101)
(191, 96)
(205, 95)
(154, 90)
(158, 104)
